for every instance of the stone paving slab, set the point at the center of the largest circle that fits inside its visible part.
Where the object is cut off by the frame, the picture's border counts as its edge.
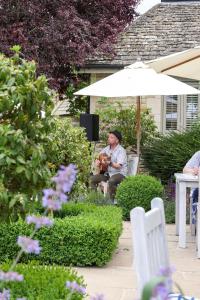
(117, 280)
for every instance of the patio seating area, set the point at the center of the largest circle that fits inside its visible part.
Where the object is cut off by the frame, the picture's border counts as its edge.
(117, 280)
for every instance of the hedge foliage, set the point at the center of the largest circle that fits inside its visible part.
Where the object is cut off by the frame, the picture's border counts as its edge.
(68, 144)
(87, 238)
(137, 191)
(168, 154)
(43, 282)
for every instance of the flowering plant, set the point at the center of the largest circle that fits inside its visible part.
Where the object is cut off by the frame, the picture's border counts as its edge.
(159, 287)
(52, 200)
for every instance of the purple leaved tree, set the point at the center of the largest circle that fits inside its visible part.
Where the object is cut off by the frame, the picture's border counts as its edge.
(59, 34)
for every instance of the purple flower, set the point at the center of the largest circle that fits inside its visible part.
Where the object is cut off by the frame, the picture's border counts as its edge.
(73, 286)
(28, 245)
(49, 200)
(5, 295)
(166, 271)
(39, 221)
(65, 178)
(11, 276)
(161, 291)
(97, 297)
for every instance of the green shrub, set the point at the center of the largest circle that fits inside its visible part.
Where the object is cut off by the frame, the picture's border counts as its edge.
(98, 198)
(169, 211)
(168, 154)
(89, 238)
(137, 191)
(69, 145)
(124, 120)
(23, 131)
(43, 282)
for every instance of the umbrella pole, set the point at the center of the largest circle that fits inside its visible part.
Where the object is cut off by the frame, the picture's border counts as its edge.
(138, 124)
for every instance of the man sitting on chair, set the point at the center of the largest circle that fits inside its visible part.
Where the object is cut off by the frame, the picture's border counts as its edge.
(116, 164)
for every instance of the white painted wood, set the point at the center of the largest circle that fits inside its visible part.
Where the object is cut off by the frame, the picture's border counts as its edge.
(149, 241)
(182, 182)
(182, 215)
(132, 165)
(177, 208)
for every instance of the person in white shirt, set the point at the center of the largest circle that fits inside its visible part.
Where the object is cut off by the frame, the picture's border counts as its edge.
(192, 167)
(116, 165)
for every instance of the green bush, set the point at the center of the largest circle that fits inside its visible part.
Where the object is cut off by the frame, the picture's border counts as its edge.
(88, 238)
(124, 120)
(137, 191)
(168, 154)
(23, 130)
(43, 282)
(169, 211)
(69, 145)
(96, 197)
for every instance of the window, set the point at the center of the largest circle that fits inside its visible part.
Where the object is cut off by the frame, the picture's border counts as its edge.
(171, 115)
(191, 109)
(179, 112)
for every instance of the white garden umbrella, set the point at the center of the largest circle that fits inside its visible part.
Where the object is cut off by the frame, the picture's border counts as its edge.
(137, 80)
(182, 64)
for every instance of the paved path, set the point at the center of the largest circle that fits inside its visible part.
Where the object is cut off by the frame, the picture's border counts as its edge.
(117, 280)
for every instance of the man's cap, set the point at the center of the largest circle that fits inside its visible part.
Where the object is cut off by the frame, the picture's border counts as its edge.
(117, 134)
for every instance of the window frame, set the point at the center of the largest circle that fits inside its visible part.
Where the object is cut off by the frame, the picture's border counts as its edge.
(181, 108)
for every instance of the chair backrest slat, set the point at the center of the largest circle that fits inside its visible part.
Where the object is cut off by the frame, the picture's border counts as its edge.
(149, 241)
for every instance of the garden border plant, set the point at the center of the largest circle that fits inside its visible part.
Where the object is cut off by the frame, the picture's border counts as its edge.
(85, 235)
(53, 200)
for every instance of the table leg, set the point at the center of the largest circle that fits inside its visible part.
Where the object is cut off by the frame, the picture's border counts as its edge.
(177, 208)
(182, 215)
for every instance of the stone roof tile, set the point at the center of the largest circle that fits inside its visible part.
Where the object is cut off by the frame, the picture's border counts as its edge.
(166, 28)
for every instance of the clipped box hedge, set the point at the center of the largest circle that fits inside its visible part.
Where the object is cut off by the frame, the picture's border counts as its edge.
(83, 235)
(43, 282)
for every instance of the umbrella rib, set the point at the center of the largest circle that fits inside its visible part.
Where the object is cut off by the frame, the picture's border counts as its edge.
(179, 64)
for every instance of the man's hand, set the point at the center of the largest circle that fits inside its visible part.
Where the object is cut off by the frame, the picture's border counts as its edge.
(195, 171)
(97, 162)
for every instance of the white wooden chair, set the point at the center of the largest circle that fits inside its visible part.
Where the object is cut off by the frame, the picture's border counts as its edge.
(150, 244)
(132, 170)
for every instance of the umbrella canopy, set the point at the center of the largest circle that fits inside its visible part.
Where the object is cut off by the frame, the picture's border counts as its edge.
(182, 64)
(138, 80)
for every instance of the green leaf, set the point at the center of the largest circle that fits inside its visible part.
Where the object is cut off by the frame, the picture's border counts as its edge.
(150, 286)
(28, 174)
(20, 169)
(13, 202)
(16, 48)
(2, 155)
(21, 160)
(10, 161)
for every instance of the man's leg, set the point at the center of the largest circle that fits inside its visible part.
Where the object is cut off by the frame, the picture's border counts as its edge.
(112, 184)
(96, 179)
(195, 196)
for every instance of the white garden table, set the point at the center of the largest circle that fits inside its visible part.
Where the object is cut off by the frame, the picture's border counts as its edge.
(182, 182)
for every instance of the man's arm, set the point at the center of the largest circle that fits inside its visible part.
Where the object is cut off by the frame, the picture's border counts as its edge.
(192, 166)
(115, 165)
(193, 171)
(121, 160)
